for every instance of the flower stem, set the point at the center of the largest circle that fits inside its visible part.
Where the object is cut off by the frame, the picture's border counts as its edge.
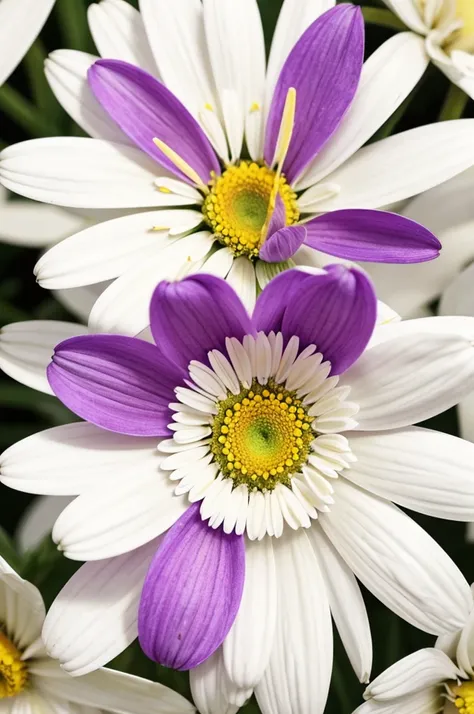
(384, 18)
(454, 104)
(42, 94)
(73, 23)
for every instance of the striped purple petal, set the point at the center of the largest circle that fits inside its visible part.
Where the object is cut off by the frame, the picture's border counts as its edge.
(282, 244)
(191, 593)
(144, 109)
(192, 316)
(122, 384)
(373, 236)
(334, 310)
(324, 67)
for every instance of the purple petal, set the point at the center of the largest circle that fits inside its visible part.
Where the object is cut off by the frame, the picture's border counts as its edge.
(374, 236)
(335, 310)
(283, 244)
(122, 384)
(144, 109)
(278, 219)
(192, 593)
(190, 317)
(324, 67)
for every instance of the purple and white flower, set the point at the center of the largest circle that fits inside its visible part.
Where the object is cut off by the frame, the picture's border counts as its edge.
(283, 439)
(209, 137)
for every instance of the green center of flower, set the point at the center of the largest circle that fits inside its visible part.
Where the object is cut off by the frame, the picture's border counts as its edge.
(237, 204)
(261, 436)
(13, 671)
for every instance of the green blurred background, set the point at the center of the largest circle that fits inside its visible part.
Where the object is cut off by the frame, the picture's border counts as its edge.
(28, 109)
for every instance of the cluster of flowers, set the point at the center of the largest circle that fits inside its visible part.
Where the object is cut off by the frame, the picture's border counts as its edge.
(247, 403)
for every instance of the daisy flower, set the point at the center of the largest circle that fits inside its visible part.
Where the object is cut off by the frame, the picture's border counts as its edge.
(32, 682)
(448, 29)
(217, 143)
(282, 440)
(431, 680)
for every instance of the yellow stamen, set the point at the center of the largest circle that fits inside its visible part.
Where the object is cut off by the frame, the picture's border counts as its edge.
(181, 164)
(209, 107)
(464, 694)
(255, 107)
(164, 189)
(13, 672)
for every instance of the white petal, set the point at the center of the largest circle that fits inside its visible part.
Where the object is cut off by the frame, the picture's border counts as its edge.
(457, 326)
(22, 609)
(38, 519)
(123, 307)
(458, 298)
(397, 560)
(110, 248)
(176, 35)
(119, 33)
(387, 78)
(94, 617)
(346, 602)
(219, 263)
(243, 72)
(242, 278)
(87, 173)
(105, 522)
(426, 471)
(80, 301)
(66, 72)
(420, 670)
(297, 678)
(36, 225)
(428, 701)
(20, 23)
(211, 687)
(109, 690)
(26, 349)
(248, 645)
(71, 459)
(295, 17)
(465, 648)
(409, 379)
(408, 11)
(402, 165)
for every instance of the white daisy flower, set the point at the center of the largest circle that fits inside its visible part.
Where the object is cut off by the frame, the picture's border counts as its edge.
(448, 29)
(430, 681)
(225, 142)
(33, 683)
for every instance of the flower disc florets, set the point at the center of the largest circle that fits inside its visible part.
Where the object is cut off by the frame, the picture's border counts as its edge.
(13, 671)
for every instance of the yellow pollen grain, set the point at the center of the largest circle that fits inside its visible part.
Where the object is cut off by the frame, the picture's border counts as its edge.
(13, 672)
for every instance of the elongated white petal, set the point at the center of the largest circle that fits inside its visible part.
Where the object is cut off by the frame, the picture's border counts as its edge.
(36, 225)
(66, 72)
(219, 263)
(109, 690)
(176, 35)
(346, 602)
(20, 23)
(420, 670)
(211, 687)
(465, 647)
(84, 173)
(119, 33)
(409, 12)
(26, 349)
(123, 307)
(22, 609)
(402, 165)
(38, 519)
(409, 379)
(72, 459)
(397, 560)
(387, 78)
(294, 18)
(248, 645)
(426, 471)
(428, 701)
(105, 522)
(228, 27)
(109, 249)
(242, 278)
(101, 598)
(457, 326)
(297, 678)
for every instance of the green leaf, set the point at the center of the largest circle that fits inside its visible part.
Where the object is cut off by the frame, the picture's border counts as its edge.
(7, 549)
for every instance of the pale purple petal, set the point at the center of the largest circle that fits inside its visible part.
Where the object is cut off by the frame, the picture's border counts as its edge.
(324, 67)
(278, 219)
(282, 244)
(192, 316)
(192, 593)
(144, 109)
(119, 383)
(335, 310)
(373, 236)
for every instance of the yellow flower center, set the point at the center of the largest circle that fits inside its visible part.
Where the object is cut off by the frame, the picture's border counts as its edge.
(13, 672)
(237, 204)
(261, 436)
(463, 39)
(464, 694)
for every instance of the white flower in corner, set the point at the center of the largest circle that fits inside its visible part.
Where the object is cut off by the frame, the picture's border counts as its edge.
(33, 683)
